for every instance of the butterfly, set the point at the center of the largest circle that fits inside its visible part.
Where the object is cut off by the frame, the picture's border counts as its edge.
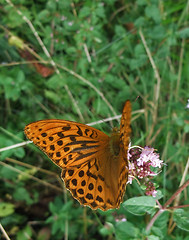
(94, 165)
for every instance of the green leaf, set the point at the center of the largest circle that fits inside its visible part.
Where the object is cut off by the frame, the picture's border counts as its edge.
(21, 194)
(52, 96)
(186, 128)
(14, 20)
(157, 231)
(100, 11)
(139, 22)
(6, 209)
(181, 218)
(153, 237)
(140, 205)
(84, 12)
(26, 231)
(51, 5)
(152, 11)
(141, 2)
(12, 86)
(19, 152)
(162, 220)
(183, 33)
(158, 32)
(44, 16)
(55, 82)
(120, 30)
(107, 229)
(125, 230)
(8, 173)
(16, 41)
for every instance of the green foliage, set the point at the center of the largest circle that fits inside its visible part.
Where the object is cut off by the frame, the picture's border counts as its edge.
(126, 230)
(61, 213)
(98, 51)
(26, 231)
(140, 205)
(6, 209)
(182, 219)
(21, 194)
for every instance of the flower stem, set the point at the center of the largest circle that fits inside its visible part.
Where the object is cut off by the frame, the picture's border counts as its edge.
(169, 201)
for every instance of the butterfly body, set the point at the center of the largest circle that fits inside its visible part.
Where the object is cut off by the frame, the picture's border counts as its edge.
(94, 165)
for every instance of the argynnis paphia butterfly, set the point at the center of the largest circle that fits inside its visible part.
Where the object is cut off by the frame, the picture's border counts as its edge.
(94, 165)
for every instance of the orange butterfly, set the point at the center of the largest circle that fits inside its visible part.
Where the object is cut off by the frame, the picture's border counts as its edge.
(94, 165)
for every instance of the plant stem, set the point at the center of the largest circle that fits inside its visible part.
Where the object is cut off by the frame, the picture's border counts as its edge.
(169, 201)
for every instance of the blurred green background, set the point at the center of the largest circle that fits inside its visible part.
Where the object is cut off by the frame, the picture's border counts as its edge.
(80, 61)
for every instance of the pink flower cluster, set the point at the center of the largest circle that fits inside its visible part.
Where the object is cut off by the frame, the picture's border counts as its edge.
(142, 163)
(150, 189)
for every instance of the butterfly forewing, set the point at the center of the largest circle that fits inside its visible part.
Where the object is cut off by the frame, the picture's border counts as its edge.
(78, 150)
(125, 132)
(125, 128)
(93, 173)
(67, 143)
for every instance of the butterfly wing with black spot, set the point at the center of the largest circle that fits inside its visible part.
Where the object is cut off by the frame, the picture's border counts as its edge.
(93, 173)
(78, 149)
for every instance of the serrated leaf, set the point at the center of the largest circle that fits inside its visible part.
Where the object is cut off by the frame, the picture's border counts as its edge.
(152, 11)
(181, 218)
(140, 205)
